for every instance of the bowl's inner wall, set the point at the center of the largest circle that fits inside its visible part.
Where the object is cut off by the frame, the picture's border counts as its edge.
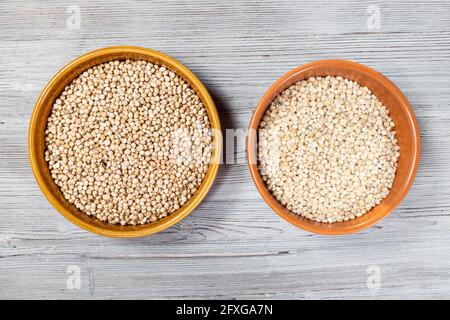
(405, 136)
(53, 92)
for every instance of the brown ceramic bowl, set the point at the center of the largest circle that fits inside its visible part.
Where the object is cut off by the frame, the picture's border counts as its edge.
(405, 126)
(36, 143)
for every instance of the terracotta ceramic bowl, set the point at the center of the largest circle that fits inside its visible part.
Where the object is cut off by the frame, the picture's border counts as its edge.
(36, 142)
(407, 135)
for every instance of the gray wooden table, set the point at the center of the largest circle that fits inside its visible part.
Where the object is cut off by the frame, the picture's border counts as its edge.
(233, 245)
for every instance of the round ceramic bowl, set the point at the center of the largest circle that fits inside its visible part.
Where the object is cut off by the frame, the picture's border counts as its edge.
(36, 143)
(405, 126)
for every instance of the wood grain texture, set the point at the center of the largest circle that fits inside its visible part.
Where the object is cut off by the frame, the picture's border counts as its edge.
(233, 245)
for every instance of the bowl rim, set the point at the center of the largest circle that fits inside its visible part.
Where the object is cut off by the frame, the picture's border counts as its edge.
(204, 187)
(252, 151)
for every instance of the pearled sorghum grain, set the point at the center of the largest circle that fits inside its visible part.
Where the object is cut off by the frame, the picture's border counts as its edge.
(128, 142)
(327, 149)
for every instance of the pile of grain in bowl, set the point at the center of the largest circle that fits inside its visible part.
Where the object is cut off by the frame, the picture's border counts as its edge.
(327, 149)
(128, 142)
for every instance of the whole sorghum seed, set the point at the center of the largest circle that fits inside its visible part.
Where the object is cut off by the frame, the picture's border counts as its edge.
(327, 149)
(128, 142)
